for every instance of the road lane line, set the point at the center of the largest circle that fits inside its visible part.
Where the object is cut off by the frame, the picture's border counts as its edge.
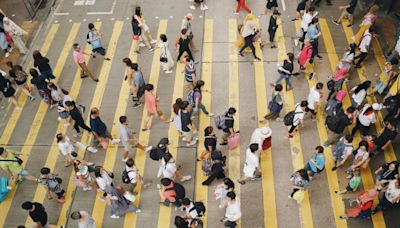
(38, 120)
(333, 184)
(295, 143)
(140, 156)
(201, 190)
(14, 117)
(234, 155)
(267, 179)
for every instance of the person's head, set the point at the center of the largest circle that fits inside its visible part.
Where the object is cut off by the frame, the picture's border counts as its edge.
(76, 47)
(185, 202)
(138, 11)
(394, 62)
(167, 157)
(3, 151)
(76, 215)
(363, 86)
(91, 26)
(319, 150)
(98, 171)
(356, 173)
(163, 38)
(391, 124)
(276, 13)
(229, 183)
(33, 72)
(52, 86)
(178, 101)
(231, 111)
(307, 42)
(188, 59)
(94, 112)
(130, 162)
(278, 88)
(290, 56)
(392, 166)
(184, 105)
(208, 131)
(10, 64)
(74, 155)
(183, 31)
(123, 120)
(348, 138)
(363, 145)
(319, 86)
(350, 110)
(253, 147)
(165, 181)
(231, 195)
(303, 104)
(135, 66)
(311, 9)
(374, 9)
(303, 174)
(70, 104)
(37, 55)
(59, 137)
(27, 205)
(149, 87)
(314, 21)
(199, 84)
(127, 61)
(189, 16)
(44, 172)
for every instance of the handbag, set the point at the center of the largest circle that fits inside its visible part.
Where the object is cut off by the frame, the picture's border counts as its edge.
(267, 143)
(273, 106)
(233, 141)
(136, 37)
(164, 58)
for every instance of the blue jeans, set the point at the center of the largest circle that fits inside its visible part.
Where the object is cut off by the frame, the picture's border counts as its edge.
(287, 80)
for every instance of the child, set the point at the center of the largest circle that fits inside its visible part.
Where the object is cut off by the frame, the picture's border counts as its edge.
(353, 184)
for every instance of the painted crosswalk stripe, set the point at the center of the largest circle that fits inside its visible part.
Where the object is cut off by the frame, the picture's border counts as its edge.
(333, 184)
(40, 114)
(295, 144)
(140, 157)
(201, 190)
(267, 179)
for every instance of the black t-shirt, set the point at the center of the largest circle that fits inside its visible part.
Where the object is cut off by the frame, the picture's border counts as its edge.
(288, 65)
(389, 174)
(183, 43)
(210, 141)
(42, 64)
(136, 29)
(185, 120)
(386, 135)
(39, 214)
(76, 115)
(352, 6)
(229, 121)
(40, 82)
(273, 26)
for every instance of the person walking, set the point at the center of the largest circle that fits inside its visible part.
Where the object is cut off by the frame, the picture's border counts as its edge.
(241, 4)
(286, 71)
(42, 85)
(15, 32)
(104, 178)
(76, 118)
(233, 211)
(347, 11)
(210, 143)
(66, 147)
(176, 116)
(390, 198)
(336, 125)
(38, 214)
(127, 139)
(166, 59)
(313, 33)
(99, 128)
(118, 204)
(367, 22)
(51, 182)
(299, 112)
(80, 61)
(6, 87)
(275, 105)
(342, 151)
(169, 169)
(300, 181)
(251, 168)
(222, 190)
(135, 81)
(353, 184)
(152, 107)
(136, 33)
(389, 74)
(314, 98)
(339, 76)
(306, 19)
(217, 169)
(364, 45)
(228, 125)
(248, 34)
(188, 128)
(187, 24)
(271, 6)
(146, 30)
(317, 163)
(190, 75)
(4, 43)
(84, 219)
(306, 57)
(195, 99)
(272, 27)
(42, 63)
(19, 77)
(11, 164)
(202, 4)
(94, 39)
(366, 117)
(133, 175)
(182, 46)
(359, 93)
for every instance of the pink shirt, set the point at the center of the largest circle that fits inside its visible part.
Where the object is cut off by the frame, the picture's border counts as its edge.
(78, 57)
(151, 102)
(305, 54)
(341, 73)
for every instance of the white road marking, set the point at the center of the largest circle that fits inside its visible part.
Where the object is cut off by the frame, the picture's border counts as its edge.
(171, 17)
(112, 19)
(103, 13)
(79, 2)
(84, 19)
(98, 19)
(61, 14)
(283, 5)
(70, 20)
(90, 2)
(156, 17)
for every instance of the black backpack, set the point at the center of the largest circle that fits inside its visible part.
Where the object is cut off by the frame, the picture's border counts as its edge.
(332, 122)
(87, 38)
(125, 176)
(289, 117)
(199, 207)
(179, 191)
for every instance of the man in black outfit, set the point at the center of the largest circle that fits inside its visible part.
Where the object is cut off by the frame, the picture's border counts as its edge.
(217, 169)
(273, 26)
(77, 119)
(38, 214)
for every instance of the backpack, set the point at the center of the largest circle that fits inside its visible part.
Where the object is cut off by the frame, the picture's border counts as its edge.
(332, 122)
(206, 166)
(125, 176)
(199, 207)
(289, 117)
(87, 38)
(3, 188)
(179, 191)
(219, 121)
(190, 97)
(156, 154)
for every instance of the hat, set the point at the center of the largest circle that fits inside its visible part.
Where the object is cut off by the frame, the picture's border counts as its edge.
(276, 12)
(377, 106)
(265, 132)
(189, 15)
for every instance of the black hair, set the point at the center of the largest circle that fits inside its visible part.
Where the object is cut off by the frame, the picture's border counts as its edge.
(27, 205)
(229, 183)
(138, 11)
(364, 144)
(130, 162)
(349, 138)
(44, 170)
(167, 156)
(208, 130)
(394, 61)
(163, 38)
(76, 215)
(199, 84)
(350, 109)
(2, 150)
(75, 45)
(33, 72)
(59, 137)
(253, 147)
(319, 149)
(184, 104)
(365, 85)
(183, 31)
(303, 103)
(122, 119)
(127, 61)
(319, 85)
(231, 195)
(165, 181)
(149, 87)
(231, 110)
(91, 26)
(135, 66)
(303, 174)
(278, 87)
(185, 201)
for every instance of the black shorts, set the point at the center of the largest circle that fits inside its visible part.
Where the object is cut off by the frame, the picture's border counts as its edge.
(61, 194)
(349, 189)
(311, 110)
(100, 50)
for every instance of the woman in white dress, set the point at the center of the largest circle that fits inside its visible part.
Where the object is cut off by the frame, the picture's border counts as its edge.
(251, 168)
(66, 147)
(166, 60)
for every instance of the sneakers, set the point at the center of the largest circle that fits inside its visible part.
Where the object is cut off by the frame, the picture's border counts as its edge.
(204, 7)
(334, 169)
(343, 217)
(92, 149)
(192, 7)
(296, 42)
(311, 76)
(191, 143)
(153, 41)
(142, 45)
(7, 54)
(124, 159)
(186, 178)
(114, 216)
(349, 25)
(138, 211)
(168, 71)
(59, 119)
(336, 22)
(76, 135)
(137, 104)
(210, 114)
(148, 149)
(115, 141)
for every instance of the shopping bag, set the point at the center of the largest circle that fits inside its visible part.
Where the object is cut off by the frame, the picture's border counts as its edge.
(233, 141)
(267, 143)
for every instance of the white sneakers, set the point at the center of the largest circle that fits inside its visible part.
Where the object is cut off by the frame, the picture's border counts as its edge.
(114, 216)
(191, 7)
(186, 178)
(153, 41)
(142, 45)
(87, 188)
(115, 141)
(92, 149)
(147, 149)
(203, 7)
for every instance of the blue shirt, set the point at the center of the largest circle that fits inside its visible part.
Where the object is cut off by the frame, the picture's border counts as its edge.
(98, 126)
(138, 79)
(320, 160)
(312, 32)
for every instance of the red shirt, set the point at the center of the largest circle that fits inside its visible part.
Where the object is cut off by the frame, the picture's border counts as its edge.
(305, 54)
(170, 194)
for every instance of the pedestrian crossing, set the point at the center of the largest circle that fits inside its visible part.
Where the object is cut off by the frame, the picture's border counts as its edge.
(163, 216)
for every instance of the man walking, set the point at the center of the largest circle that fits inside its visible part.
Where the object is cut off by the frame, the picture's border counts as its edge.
(76, 118)
(38, 214)
(99, 128)
(80, 61)
(11, 164)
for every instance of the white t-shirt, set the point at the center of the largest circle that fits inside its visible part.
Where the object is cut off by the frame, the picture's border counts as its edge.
(66, 147)
(365, 42)
(190, 212)
(366, 120)
(88, 221)
(299, 115)
(359, 97)
(392, 192)
(306, 20)
(233, 212)
(363, 154)
(313, 97)
(248, 29)
(104, 181)
(397, 47)
(132, 173)
(169, 168)
(252, 162)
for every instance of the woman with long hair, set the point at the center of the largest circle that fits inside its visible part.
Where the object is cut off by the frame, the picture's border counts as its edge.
(166, 60)
(42, 63)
